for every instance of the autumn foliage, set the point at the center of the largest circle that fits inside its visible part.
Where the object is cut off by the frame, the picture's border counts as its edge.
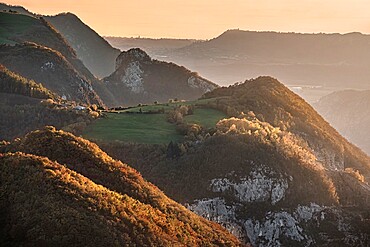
(60, 189)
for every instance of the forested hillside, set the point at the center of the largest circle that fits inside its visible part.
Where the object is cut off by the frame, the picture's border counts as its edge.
(87, 192)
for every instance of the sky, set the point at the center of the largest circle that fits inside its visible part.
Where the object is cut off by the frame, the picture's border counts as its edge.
(206, 19)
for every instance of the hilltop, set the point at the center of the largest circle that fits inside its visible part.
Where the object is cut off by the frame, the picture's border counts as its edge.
(95, 52)
(274, 103)
(141, 79)
(19, 29)
(97, 197)
(6, 7)
(274, 171)
(348, 112)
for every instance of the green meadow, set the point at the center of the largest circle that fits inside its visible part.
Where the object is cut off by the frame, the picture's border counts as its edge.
(147, 128)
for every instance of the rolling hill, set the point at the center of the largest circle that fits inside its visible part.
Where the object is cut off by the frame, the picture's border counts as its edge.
(91, 199)
(274, 172)
(348, 112)
(274, 103)
(140, 79)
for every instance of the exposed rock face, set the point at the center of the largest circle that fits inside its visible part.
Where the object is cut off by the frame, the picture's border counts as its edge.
(276, 226)
(140, 79)
(259, 186)
(196, 82)
(132, 55)
(133, 78)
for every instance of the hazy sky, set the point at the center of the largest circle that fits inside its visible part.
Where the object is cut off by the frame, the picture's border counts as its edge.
(206, 19)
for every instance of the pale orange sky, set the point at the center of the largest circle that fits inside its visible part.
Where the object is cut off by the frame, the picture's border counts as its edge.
(205, 19)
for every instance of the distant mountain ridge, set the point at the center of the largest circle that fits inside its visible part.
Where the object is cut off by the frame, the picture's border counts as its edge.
(338, 60)
(154, 47)
(157, 77)
(140, 79)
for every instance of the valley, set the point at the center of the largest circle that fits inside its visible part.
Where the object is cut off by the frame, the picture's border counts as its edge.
(246, 139)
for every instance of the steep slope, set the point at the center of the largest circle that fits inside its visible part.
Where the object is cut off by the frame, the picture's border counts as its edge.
(327, 60)
(51, 68)
(348, 111)
(96, 53)
(26, 105)
(140, 79)
(12, 83)
(274, 103)
(17, 28)
(99, 190)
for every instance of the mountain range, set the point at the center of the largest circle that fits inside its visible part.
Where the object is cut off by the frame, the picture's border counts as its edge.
(97, 55)
(251, 164)
(83, 86)
(328, 60)
(156, 48)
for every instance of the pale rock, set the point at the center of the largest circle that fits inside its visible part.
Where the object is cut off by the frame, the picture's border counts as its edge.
(195, 82)
(133, 77)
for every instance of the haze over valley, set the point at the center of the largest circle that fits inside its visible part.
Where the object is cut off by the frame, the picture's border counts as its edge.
(224, 138)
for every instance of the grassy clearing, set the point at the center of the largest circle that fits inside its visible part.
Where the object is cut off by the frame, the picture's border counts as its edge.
(166, 106)
(205, 117)
(149, 128)
(137, 128)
